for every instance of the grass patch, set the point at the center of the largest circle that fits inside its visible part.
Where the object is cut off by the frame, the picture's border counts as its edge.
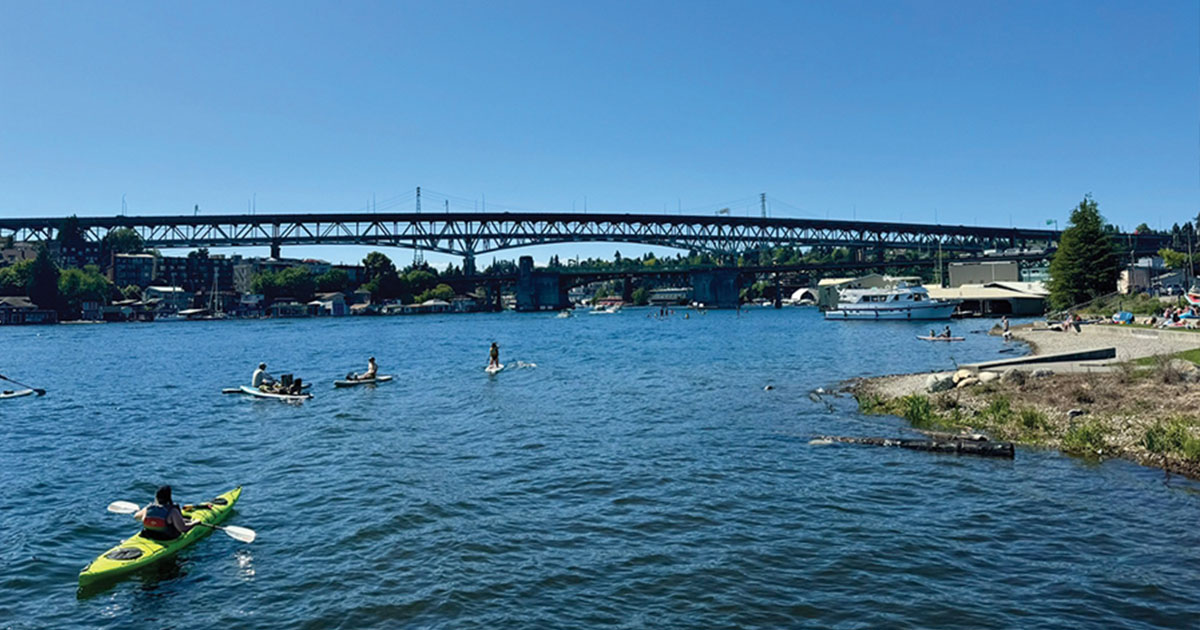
(1186, 355)
(1175, 437)
(1088, 439)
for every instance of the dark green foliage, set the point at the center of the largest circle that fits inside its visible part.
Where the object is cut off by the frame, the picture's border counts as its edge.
(42, 286)
(76, 286)
(333, 280)
(14, 279)
(1085, 265)
(121, 241)
(441, 292)
(294, 282)
(641, 296)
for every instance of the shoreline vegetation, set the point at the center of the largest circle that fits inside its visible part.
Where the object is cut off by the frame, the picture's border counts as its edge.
(1142, 406)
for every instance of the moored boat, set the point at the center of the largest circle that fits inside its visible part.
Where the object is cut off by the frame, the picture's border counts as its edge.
(901, 302)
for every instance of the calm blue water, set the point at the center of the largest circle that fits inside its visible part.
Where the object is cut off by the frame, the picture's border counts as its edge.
(638, 476)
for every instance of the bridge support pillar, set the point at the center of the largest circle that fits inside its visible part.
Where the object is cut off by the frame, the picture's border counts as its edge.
(276, 248)
(469, 264)
(627, 290)
(778, 292)
(716, 288)
(539, 290)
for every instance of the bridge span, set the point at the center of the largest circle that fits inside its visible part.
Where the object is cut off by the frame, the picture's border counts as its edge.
(469, 234)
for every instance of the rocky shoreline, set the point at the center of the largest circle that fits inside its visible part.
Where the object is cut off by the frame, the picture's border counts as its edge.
(1142, 405)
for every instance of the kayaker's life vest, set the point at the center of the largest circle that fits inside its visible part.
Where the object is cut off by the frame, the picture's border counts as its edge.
(155, 524)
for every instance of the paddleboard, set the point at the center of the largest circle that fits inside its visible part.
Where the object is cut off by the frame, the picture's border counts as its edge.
(246, 389)
(941, 338)
(238, 390)
(371, 381)
(494, 369)
(15, 394)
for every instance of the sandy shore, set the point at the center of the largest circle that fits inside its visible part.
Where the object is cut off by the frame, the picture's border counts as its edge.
(1130, 343)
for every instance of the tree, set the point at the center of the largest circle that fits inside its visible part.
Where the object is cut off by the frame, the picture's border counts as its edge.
(441, 292)
(333, 280)
(1085, 265)
(42, 286)
(14, 279)
(1173, 259)
(295, 282)
(641, 296)
(121, 241)
(69, 231)
(76, 286)
(377, 264)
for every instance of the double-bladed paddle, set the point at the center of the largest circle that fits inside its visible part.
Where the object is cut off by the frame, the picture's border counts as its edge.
(36, 390)
(243, 534)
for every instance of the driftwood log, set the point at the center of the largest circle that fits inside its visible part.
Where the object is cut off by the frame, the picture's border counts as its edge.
(956, 446)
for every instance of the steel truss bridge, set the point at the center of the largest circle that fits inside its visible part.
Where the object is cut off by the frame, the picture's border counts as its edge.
(469, 234)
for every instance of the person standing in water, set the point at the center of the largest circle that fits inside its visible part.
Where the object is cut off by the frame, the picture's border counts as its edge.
(1007, 334)
(494, 356)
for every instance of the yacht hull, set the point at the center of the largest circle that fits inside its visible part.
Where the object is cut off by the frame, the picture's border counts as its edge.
(927, 311)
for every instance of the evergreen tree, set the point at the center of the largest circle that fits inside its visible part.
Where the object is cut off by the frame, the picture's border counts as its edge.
(42, 285)
(1085, 265)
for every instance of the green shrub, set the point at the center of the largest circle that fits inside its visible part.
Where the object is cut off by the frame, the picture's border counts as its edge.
(1033, 420)
(998, 411)
(871, 403)
(919, 413)
(1173, 437)
(1087, 439)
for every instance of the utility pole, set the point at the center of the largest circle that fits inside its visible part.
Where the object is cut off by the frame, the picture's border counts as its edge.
(417, 257)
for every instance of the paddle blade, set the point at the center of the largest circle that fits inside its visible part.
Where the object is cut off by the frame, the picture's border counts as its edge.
(123, 507)
(244, 534)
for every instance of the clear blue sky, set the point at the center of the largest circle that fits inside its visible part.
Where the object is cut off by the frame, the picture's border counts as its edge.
(987, 113)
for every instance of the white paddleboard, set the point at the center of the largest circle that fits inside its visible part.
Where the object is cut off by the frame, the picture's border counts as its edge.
(494, 369)
(371, 381)
(246, 389)
(15, 394)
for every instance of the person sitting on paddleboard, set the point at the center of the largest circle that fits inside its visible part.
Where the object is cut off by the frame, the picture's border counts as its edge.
(494, 354)
(261, 377)
(946, 333)
(372, 369)
(163, 520)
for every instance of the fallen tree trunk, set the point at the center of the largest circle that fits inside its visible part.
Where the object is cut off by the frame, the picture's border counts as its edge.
(956, 446)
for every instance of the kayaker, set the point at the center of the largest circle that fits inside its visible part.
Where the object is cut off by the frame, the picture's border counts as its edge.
(163, 520)
(261, 377)
(494, 356)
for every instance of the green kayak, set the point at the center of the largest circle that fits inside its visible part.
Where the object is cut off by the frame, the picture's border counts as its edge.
(139, 551)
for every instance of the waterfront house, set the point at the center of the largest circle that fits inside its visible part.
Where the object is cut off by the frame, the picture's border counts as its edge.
(287, 307)
(328, 304)
(20, 310)
(170, 299)
(996, 298)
